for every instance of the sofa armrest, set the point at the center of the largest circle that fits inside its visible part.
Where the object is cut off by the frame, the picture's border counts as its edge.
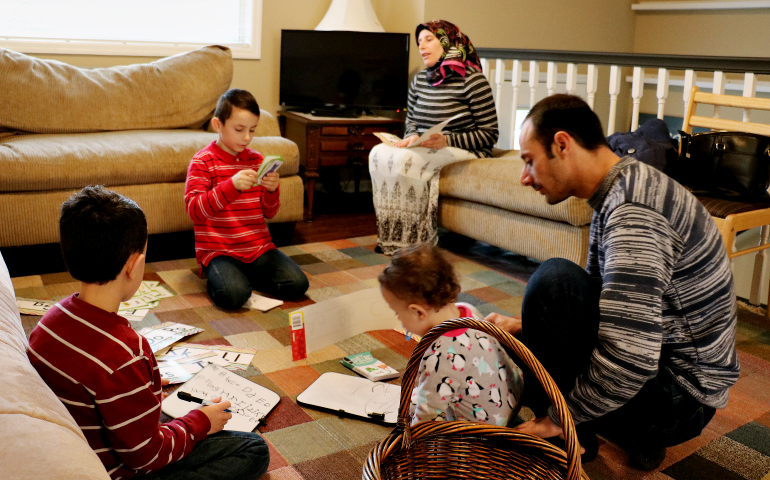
(268, 125)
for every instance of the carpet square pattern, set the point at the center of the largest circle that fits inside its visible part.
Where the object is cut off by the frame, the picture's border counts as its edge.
(310, 444)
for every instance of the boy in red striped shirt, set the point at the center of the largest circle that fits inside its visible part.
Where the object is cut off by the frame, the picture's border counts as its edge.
(106, 374)
(228, 209)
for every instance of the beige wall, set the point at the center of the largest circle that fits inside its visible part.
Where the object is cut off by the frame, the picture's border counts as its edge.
(593, 25)
(739, 33)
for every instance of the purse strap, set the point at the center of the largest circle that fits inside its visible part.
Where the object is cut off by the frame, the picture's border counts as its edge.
(516, 347)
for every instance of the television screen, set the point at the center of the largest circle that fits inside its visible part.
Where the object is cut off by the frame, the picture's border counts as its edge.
(344, 69)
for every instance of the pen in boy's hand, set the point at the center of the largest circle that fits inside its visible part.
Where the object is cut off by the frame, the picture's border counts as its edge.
(189, 398)
(408, 335)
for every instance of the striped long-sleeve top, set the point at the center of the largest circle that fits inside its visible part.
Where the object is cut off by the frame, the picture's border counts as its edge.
(667, 296)
(428, 105)
(107, 377)
(228, 221)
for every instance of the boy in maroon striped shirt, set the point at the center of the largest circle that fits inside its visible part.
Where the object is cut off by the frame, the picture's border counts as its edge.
(106, 374)
(228, 209)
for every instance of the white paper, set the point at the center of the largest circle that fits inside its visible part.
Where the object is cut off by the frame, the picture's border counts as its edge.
(435, 129)
(250, 402)
(339, 318)
(163, 335)
(263, 304)
(353, 395)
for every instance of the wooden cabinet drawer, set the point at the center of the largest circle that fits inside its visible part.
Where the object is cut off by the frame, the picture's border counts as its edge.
(363, 144)
(356, 130)
(340, 160)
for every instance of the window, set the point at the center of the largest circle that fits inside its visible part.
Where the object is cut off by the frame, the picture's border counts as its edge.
(130, 27)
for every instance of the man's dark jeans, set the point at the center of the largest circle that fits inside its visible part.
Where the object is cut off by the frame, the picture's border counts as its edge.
(231, 281)
(560, 319)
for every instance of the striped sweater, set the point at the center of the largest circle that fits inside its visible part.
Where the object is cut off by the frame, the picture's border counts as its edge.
(107, 377)
(226, 220)
(428, 105)
(667, 298)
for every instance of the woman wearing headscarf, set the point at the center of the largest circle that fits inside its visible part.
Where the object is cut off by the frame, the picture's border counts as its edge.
(405, 180)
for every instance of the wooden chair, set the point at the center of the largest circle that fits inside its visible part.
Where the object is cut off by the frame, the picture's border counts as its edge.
(733, 217)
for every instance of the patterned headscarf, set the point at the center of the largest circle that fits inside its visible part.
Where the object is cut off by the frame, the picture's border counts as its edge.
(458, 50)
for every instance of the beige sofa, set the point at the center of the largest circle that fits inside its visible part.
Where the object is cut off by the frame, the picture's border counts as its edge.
(483, 199)
(132, 128)
(38, 436)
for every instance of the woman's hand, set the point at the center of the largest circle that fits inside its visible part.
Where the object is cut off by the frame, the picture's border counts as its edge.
(407, 141)
(437, 141)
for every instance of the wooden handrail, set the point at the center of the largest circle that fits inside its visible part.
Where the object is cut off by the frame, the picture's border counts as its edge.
(757, 65)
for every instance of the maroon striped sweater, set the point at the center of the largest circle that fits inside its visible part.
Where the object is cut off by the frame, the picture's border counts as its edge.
(227, 221)
(107, 377)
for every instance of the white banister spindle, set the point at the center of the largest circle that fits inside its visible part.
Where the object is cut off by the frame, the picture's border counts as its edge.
(749, 90)
(689, 82)
(499, 79)
(637, 90)
(550, 79)
(534, 80)
(663, 79)
(515, 81)
(571, 78)
(719, 89)
(485, 67)
(592, 84)
(614, 92)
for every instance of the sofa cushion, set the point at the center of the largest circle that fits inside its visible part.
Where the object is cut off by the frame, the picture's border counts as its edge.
(47, 96)
(47, 443)
(133, 157)
(495, 182)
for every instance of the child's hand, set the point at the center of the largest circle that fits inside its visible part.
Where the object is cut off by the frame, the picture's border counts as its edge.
(407, 141)
(245, 179)
(271, 181)
(217, 416)
(164, 382)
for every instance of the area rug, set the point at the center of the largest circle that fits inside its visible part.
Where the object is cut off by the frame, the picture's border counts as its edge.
(309, 444)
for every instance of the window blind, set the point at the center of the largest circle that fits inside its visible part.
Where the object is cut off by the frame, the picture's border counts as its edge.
(120, 26)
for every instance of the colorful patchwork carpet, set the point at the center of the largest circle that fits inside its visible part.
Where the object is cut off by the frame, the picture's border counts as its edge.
(310, 444)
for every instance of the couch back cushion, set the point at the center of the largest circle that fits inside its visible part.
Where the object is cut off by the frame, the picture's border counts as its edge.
(48, 96)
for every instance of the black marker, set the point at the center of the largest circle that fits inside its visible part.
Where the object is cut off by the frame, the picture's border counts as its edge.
(189, 398)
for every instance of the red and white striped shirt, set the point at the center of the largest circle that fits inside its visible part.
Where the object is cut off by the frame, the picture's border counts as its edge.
(107, 377)
(228, 221)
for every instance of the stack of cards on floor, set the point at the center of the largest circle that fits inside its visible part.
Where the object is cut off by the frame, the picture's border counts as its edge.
(146, 297)
(186, 359)
(163, 335)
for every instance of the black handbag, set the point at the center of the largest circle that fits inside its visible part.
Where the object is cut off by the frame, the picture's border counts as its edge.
(733, 165)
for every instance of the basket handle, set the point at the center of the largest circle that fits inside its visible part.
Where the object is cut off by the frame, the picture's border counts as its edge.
(514, 345)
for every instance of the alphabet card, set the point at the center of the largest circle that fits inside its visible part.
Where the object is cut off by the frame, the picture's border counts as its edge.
(250, 402)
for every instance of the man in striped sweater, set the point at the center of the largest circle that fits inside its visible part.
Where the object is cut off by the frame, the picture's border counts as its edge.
(106, 374)
(642, 342)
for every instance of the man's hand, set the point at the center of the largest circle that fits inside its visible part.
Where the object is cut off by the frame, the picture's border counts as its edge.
(164, 382)
(543, 427)
(511, 325)
(407, 141)
(217, 416)
(271, 181)
(437, 141)
(244, 179)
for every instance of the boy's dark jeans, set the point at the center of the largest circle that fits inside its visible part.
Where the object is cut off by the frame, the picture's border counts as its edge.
(224, 455)
(560, 320)
(231, 281)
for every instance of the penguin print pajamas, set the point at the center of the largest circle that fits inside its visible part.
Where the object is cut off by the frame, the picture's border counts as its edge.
(466, 375)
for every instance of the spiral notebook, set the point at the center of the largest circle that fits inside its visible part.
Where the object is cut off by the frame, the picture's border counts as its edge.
(250, 402)
(355, 396)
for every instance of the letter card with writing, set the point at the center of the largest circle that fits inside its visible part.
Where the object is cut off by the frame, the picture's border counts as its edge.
(250, 402)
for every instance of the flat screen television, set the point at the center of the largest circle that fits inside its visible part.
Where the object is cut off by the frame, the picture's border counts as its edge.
(342, 71)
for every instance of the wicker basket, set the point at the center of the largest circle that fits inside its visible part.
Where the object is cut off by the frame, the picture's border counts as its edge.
(471, 450)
